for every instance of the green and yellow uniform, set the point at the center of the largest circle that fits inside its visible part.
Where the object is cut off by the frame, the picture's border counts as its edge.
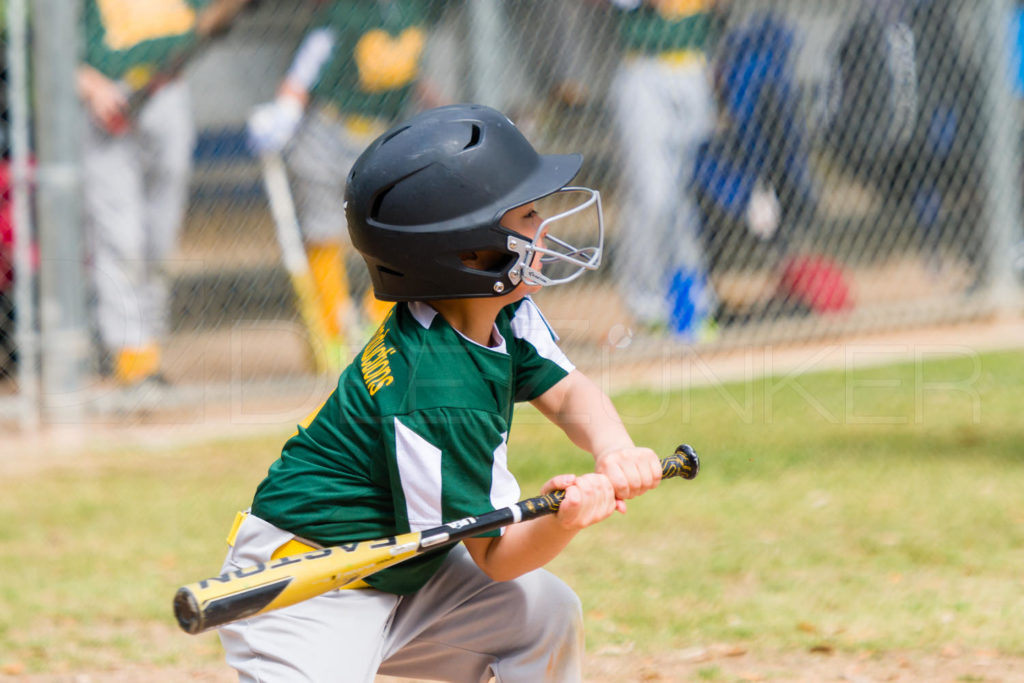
(672, 26)
(364, 82)
(415, 435)
(136, 177)
(122, 35)
(663, 109)
(376, 58)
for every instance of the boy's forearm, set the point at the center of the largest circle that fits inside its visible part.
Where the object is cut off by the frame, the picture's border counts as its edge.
(587, 416)
(523, 548)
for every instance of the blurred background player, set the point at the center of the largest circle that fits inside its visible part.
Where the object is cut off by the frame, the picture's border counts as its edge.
(136, 166)
(356, 71)
(753, 180)
(663, 107)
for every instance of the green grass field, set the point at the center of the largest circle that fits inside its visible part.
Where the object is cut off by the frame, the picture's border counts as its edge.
(866, 512)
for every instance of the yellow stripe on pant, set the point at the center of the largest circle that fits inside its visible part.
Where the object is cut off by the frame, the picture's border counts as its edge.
(292, 547)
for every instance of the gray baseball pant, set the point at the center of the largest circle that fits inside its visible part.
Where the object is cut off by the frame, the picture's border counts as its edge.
(135, 191)
(461, 626)
(662, 113)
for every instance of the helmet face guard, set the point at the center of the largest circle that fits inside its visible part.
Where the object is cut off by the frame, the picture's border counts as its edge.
(553, 250)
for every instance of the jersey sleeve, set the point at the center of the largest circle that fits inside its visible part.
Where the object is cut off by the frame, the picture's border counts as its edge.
(309, 60)
(447, 464)
(538, 361)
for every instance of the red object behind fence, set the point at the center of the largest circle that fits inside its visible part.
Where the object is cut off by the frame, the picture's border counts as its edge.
(817, 282)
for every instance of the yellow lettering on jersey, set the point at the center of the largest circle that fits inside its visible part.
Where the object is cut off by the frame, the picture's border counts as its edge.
(130, 22)
(388, 63)
(674, 10)
(380, 384)
(374, 363)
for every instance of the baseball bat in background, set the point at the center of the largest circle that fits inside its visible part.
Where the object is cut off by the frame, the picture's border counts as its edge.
(268, 586)
(141, 82)
(293, 254)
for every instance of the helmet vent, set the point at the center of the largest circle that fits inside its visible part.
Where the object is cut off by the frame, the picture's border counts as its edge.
(474, 137)
(378, 202)
(394, 134)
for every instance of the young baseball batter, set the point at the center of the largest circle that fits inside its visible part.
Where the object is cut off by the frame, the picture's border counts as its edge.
(442, 209)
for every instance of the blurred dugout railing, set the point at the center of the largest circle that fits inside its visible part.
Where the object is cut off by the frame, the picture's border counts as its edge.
(772, 171)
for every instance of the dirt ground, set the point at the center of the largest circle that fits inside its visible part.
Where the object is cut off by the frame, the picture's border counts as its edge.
(713, 663)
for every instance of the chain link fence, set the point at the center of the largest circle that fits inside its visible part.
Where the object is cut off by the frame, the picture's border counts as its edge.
(771, 171)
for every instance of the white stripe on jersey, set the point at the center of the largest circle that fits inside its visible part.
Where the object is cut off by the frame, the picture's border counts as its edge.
(529, 324)
(504, 487)
(419, 467)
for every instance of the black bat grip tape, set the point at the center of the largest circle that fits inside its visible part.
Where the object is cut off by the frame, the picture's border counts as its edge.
(683, 463)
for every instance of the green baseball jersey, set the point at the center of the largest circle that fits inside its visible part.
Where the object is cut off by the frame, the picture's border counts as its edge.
(671, 26)
(378, 46)
(414, 436)
(124, 34)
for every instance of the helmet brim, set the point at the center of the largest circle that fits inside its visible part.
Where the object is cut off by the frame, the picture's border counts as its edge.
(554, 172)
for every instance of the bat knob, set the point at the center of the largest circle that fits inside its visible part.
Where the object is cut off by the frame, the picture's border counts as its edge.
(186, 611)
(691, 463)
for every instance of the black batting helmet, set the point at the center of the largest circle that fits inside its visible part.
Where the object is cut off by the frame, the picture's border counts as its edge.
(437, 186)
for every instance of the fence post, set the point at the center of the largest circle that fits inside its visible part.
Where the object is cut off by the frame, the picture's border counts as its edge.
(1002, 144)
(56, 41)
(26, 331)
(486, 43)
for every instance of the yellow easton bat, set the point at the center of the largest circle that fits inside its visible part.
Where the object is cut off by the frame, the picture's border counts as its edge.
(267, 586)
